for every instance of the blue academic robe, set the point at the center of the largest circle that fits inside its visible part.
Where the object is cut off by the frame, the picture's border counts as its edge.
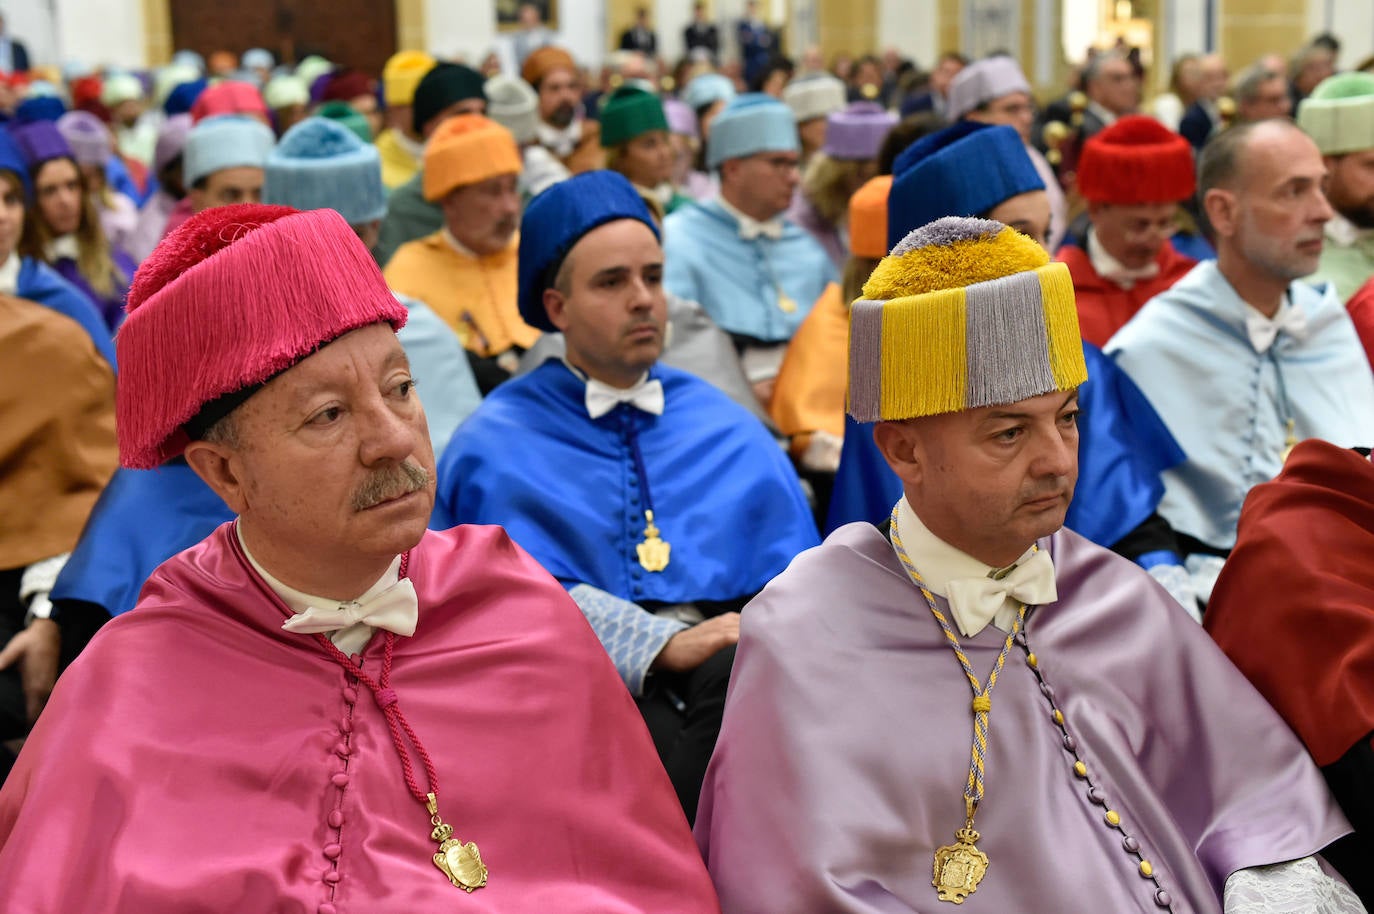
(40, 283)
(1227, 404)
(1123, 447)
(143, 518)
(725, 496)
(737, 281)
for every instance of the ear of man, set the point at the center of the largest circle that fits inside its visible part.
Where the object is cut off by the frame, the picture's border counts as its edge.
(214, 463)
(1221, 207)
(899, 443)
(555, 304)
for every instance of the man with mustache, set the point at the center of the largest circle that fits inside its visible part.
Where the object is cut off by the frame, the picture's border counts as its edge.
(971, 704)
(465, 271)
(573, 139)
(323, 706)
(1339, 116)
(662, 505)
(1240, 358)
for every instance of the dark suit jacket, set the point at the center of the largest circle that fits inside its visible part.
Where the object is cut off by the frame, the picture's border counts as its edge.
(637, 39)
(20, 55)
(1196, 125)
(701, 35)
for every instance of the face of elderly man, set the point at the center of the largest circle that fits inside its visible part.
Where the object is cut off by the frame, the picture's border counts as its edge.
(329, 465)
(1272, 211)
(484, 216)
(608, 300)
(993, 480)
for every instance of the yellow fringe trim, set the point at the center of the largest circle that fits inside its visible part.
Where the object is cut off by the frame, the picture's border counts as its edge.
(924, 355)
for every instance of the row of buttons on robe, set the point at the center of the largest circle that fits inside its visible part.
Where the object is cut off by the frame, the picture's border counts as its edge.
(1095, 795)
(634, 513)
(342, 750)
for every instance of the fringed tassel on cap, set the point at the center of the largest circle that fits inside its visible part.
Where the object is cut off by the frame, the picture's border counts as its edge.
(1061, 327)
(240, 316)
(923, 356)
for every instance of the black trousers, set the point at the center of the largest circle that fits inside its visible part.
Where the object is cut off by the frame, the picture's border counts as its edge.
(683, 711)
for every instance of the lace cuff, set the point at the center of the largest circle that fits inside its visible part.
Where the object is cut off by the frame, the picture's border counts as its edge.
(1295, 887)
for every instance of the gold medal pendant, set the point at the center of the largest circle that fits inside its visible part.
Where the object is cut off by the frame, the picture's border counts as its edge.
(461, 863)
(1289, 442)
(960, 867)
(653, 552)
(786, 304)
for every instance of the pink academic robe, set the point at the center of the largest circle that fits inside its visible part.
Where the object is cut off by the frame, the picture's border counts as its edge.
(193, 758)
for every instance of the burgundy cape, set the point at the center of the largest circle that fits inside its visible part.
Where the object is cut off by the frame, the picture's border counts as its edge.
(845, 748)
(1294, 606)
(190, 759)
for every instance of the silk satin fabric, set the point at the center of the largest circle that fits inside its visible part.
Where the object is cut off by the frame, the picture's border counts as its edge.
(725, 495)
(183, 764)
(844, 751)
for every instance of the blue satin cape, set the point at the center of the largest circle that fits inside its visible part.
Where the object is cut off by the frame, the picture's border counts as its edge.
(564, 486)
(143, 518)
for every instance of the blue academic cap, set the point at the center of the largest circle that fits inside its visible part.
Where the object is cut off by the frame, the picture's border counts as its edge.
(965, 169)
(557, 219)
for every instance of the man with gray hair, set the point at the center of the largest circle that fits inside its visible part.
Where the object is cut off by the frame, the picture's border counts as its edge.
(1260, 92)
(1279, 359)
(1113, 89)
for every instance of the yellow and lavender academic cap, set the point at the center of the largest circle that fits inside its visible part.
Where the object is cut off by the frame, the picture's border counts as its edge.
(962, 313)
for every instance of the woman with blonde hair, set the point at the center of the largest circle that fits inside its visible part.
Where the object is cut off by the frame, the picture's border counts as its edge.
(846, 161)
(63, 227)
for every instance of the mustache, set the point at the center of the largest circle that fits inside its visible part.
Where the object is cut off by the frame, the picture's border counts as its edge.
(391, 482)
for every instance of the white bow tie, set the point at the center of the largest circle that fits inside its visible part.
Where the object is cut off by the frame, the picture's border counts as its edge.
(602, 398)
(975, 601)
(395, 609)
(749, 229)
(1263, 331)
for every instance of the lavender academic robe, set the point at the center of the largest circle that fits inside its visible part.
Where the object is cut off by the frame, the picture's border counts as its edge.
(197, 758)
(845, 748)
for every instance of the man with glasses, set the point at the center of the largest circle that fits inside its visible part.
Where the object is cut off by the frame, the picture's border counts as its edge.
(1133, 176)
(755, 272)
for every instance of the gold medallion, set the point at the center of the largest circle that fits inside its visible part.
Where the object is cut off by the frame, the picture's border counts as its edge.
(461, 863)
(1290, 441)
(786, 303)
(959, 867)
(653, 552)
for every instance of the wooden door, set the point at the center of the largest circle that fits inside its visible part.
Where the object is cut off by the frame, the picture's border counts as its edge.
(351, 33)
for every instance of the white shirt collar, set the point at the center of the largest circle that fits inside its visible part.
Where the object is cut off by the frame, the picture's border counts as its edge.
(416, 148)
(749, 227)
(939, 563)
(457, 245)
(1344, 232)
(1263, 331)
(9, 275)
(1108, 267)
(560, 140)
(1105, 116)
(350, 640)
(63, 247)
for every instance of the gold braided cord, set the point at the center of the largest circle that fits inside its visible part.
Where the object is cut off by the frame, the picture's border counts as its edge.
(982, 695)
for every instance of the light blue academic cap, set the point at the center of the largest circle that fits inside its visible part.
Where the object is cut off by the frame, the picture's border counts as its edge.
(321, 164)
(751, 124)
(225, 141)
